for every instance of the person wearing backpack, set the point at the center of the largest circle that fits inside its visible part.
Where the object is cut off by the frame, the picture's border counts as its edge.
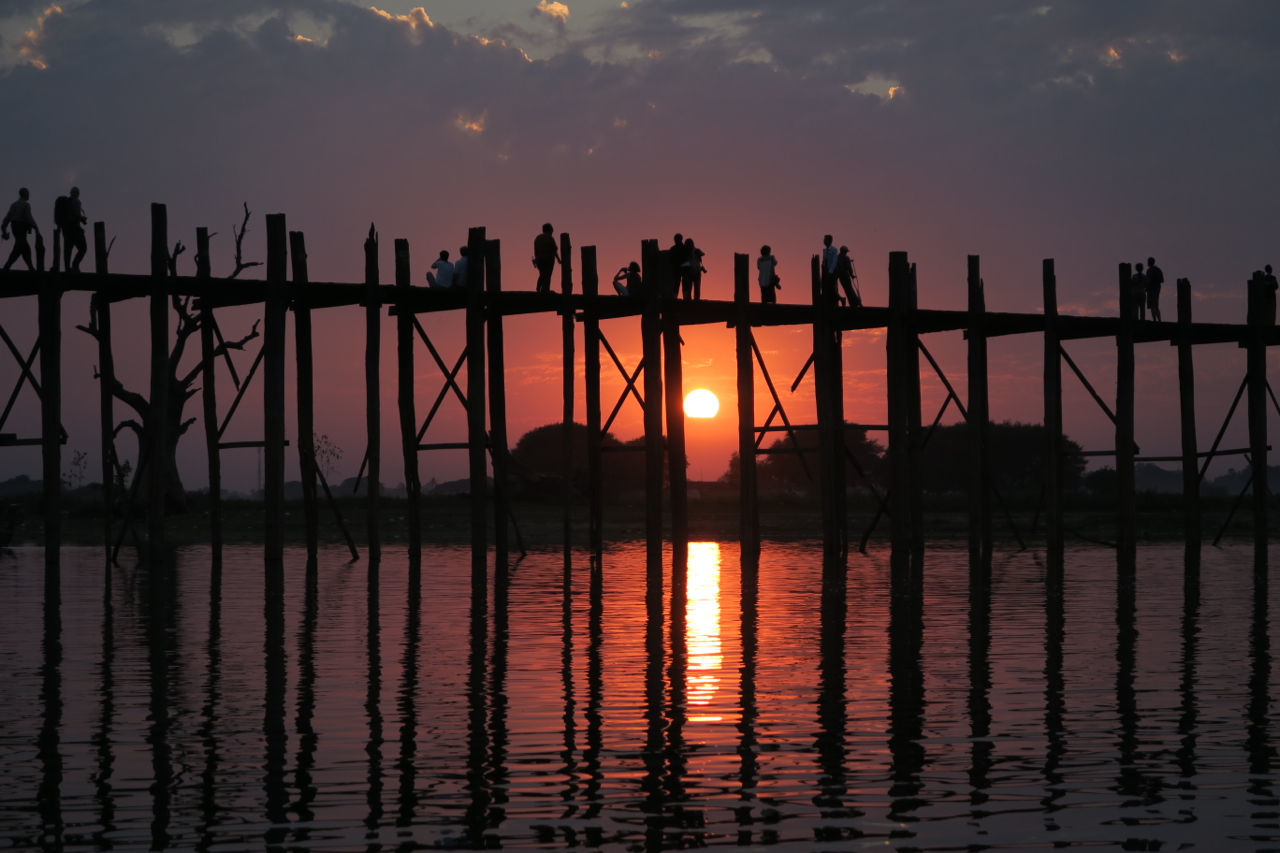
(69, 218)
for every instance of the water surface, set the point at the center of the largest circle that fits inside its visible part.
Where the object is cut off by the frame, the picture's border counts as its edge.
(349, 707)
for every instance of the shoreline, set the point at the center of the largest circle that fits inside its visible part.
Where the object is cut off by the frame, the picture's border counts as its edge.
(447, 520)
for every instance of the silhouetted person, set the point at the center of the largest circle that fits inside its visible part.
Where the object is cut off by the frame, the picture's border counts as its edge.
(69, 218)
(19, 218)
(545, 255)
(829, 258)
(1138, 287)
(677, 257)
(845, 275)
(1155, 278)
(1269, 286)
(767, 264)
(627, 280)
(443, 275)
(691, 271)
(460, 269)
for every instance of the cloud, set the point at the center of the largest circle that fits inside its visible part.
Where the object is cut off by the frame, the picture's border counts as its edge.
(29, 46)
(553, 9)
(417, 18)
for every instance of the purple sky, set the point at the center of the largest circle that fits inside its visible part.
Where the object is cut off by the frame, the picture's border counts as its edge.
(1089, 132)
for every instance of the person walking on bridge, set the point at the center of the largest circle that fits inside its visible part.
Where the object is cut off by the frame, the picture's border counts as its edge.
(545, 256)
(19, 218)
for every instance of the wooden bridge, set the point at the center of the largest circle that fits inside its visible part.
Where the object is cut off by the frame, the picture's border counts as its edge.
(655, 380)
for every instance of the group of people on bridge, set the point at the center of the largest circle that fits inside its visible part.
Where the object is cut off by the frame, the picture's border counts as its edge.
(68, 222)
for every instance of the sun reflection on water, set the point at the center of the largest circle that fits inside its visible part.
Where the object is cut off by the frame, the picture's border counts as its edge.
(702, 632)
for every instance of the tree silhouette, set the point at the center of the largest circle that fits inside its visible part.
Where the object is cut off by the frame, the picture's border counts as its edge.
(793, 464)
(182, 382)
(537, 461)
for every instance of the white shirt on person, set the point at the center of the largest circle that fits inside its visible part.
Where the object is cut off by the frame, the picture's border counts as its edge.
(444, 273)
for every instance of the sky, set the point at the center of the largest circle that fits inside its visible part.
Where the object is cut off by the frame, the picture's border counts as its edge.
(1090, 132)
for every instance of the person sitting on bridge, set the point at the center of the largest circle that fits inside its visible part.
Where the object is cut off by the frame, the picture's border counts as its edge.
(627, 280)
(443, 275)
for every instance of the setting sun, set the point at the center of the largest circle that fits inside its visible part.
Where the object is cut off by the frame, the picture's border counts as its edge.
(701, 403)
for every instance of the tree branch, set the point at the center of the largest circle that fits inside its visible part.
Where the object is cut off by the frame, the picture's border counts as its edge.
(241, 264)
(221, 350)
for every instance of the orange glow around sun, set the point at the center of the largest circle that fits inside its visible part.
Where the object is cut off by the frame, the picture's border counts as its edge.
(701, 403)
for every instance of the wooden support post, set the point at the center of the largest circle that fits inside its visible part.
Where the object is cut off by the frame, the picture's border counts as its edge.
(157, 465)
(408, 414)
(209, 399)
(904, 407)
(498, 450)
(373, 405)
(106, 380)
(591, 357)
(1256, 400)
(1053, 458)
(915, 429)
(655, 284)
(1187, 408)
(50, 326)
(826, 381)
(1126, 512)
(306, 392)
(566, 373)
(677, 461)
(273, 333)
(979, 420)
(748, 495)
(836, 387)
(476, 393)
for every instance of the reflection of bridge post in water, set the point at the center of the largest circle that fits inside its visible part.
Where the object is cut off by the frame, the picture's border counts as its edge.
(209, 712)
(833, 721)
(487, 707)
(906, 694)
(103, 739)
(373, 700)
(1054, 682)
(408, 700)
(651, 783)
(1130, 781)
(1260, 748)
(981, 747)
(48, 745)
(595, 701)
(569, 766)
(1188, 719)
(477, 725)
(274, 730)
(678, 705)
(498, 699)
(748, 743)
(160, 623)
(306, 709)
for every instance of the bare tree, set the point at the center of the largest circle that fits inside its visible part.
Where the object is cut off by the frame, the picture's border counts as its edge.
(182, 384)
